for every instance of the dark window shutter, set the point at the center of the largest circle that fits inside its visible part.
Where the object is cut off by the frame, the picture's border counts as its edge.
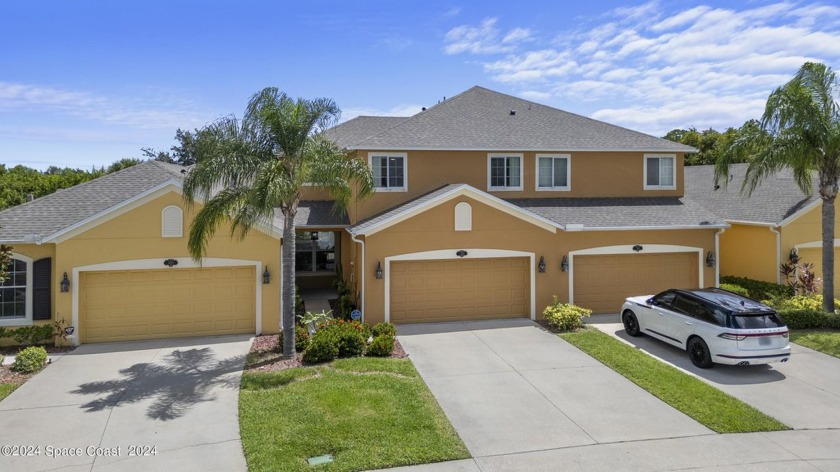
(42, 289)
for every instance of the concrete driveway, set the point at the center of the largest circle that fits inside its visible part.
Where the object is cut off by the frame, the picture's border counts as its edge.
(803, 393)
(509, 386)
(151, 405)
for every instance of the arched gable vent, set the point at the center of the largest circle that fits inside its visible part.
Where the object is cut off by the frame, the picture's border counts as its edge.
(172, 222)
(463, 217)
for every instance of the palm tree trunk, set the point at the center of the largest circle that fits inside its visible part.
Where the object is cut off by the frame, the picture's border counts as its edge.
(287, 290)
(828, 252)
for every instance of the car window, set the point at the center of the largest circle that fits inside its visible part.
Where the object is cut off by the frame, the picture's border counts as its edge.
(756, 321)
(707, 314)
(665, 299)
(685, 306)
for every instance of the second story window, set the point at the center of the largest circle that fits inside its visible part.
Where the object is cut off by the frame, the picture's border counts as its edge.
(389, 172)
(553, 172)
(504, 172)
(660, 172)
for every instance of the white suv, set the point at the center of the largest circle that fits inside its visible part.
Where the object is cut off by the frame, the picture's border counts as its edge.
(713, 325)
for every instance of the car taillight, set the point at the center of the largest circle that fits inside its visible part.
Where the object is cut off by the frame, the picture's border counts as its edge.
(732, 336)
(785, 334)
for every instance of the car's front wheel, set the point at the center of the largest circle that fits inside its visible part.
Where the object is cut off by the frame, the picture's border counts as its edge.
(631, 324)
(698, 352)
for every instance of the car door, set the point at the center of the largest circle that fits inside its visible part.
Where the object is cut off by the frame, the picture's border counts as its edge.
(660, 311)
(681, 324)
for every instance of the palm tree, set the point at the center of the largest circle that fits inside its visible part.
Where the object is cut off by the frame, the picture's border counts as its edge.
(247, 169)
(800, 130)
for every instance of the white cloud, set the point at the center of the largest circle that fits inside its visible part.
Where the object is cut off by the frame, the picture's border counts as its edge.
(655, 68)
(483, 39)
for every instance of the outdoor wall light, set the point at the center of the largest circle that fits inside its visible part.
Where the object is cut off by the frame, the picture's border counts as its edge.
(794, 256)
(637, 247)
(378, 272)
(65, 284)
(170, 263)
(541, 265)
(266, 276)
(564, 264)
(710, 259)
(461, 253)
(314, 236)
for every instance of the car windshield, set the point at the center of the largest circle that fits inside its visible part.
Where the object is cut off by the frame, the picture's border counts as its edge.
(756, 321)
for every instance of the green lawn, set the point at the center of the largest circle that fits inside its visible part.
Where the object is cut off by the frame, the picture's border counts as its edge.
(709, 406)
(827, 342)
(7, 388)
(368, 413)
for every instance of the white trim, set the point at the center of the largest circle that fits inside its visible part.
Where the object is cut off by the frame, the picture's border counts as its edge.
(449, 254)
(473, 193)
(778, 252)
(524, 149)
(169, 232)
(404, 157)
(659, 187)
(521, 157)
(749, 223)
(576, 227)
(815, 244)
(157, 264)
(27, 319)
(717, 255)
(628, 249)
(363, 270)
(568, 186)
(790, 219)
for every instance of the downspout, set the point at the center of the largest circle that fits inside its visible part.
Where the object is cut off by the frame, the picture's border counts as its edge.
(717, 251)
(778, 253)
(361, 269)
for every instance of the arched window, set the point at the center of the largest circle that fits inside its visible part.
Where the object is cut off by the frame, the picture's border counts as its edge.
(463, 217)
(172, 222)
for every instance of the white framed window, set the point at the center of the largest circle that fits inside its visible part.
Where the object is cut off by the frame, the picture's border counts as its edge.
(463, 217)
(172, 222)
(16, 293)
(660, 172)
(504, 172)
(390, 171)
(554, 172)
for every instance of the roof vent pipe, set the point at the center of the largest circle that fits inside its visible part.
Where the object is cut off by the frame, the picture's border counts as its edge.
(30, 197)
(512, 112)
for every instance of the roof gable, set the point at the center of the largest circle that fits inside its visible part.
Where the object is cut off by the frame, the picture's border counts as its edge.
(481, 119)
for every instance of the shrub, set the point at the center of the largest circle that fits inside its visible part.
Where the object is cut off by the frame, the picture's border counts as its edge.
(802, 318)
(351, 337)
(735, 289)
(30, 335)
(758, 289)
(805, 302)
(301, 338)
(322, 347)
(29, 360)
(381, 346)
(832, 321)
(565, 317)
(387, 329)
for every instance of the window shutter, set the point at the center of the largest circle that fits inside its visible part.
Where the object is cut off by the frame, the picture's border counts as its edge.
(42, 289)
(172, 222)
(463, 217)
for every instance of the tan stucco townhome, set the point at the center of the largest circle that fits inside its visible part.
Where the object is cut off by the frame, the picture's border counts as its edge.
(486, 206)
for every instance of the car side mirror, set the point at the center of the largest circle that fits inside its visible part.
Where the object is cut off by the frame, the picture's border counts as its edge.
(651, 301)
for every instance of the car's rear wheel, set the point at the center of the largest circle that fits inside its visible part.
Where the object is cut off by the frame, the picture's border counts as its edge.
(698, 352)
(631, 324)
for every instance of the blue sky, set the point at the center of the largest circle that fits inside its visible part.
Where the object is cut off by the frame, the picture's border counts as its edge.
(85, 83)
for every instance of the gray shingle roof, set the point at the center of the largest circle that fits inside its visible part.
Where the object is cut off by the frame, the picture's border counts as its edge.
(481, 119)
(365, 224)
(775, 199)
(314, 214)
(52, 213)
(620, 212)
(361, 128)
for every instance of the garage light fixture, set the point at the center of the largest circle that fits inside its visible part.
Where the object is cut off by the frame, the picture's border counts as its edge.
(266, 276)
(794, 256)
(170, 263)
(564, 264)
(637, 247)
(378, 272)
(65, 284)
(541, 265)
(710, 259)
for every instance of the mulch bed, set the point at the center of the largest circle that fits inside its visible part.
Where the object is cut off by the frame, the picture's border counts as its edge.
(268, 357)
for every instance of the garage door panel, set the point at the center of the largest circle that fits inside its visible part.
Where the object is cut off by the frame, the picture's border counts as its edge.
(602, 282)
(459, 289)
(147, 304)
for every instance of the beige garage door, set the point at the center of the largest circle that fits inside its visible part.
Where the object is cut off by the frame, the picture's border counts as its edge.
(463, 289)
(147, 304)
(603, 282)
